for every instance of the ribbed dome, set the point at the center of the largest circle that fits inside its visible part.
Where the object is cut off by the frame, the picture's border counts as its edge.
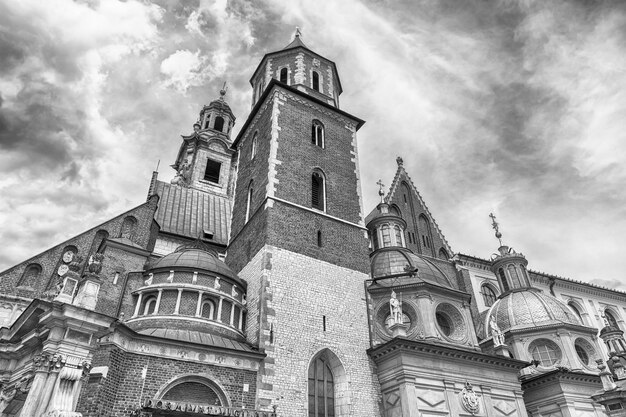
(393, 260)
(529, 308)
(198, 259)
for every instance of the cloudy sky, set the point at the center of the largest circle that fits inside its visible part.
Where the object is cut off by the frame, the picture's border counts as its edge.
(515, 107)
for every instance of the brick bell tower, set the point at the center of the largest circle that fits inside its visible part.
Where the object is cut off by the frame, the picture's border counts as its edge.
(298, 239)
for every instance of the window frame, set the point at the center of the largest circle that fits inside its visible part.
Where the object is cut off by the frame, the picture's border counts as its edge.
(219, 171)
(493, 294)
(318, 134)
(314, 395)
(321, 191)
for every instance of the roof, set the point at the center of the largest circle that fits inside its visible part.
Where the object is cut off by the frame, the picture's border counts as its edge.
(189, 212)
(192, 336)
(196, 259)
(392, 261)
(297, 41)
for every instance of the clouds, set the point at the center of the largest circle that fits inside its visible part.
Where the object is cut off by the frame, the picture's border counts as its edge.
(511, 106)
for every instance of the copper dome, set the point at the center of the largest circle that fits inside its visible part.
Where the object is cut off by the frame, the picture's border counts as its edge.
(392, 261)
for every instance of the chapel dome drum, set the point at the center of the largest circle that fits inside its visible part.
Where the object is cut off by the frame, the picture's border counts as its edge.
(190, 294)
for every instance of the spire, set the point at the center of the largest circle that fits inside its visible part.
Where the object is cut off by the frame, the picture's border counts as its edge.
(297, 40)
(381, 192)
(508, 265)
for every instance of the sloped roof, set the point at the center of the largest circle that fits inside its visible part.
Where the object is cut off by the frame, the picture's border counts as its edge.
(189, 212)
(192, 336)
(397, 180)
(295, 43)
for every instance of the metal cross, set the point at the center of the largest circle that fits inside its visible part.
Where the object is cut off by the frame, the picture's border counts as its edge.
(381, 193)
(495, 226)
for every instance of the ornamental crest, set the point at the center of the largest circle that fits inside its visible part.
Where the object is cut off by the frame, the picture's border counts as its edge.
(469, 399)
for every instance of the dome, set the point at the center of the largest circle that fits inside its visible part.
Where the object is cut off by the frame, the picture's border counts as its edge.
(393, 261)
(529, 308)
(196, 258)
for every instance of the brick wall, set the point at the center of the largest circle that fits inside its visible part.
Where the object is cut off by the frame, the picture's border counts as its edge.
(123, 388)
(289, 294)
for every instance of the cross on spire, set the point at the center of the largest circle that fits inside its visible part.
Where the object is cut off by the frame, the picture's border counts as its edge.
(381, 192)
(495, 226)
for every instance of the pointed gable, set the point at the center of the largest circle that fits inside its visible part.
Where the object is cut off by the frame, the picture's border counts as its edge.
(423, 235)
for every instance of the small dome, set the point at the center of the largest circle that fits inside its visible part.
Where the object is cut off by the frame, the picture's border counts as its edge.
(196, 258)
(529, 308)
(393, 261)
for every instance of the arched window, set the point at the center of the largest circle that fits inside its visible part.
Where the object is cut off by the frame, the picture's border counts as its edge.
(374, 234)
(193, 389)
(207, 121)
(30, 277)
(207, 310)
(249, 201)
(283, 75)
(489, 295)
(574, 307)
(219, 123)
(545, 351)
(398, 233)
(610, 318)
(503, 281)
(395, 210)
(129, 226)
(424, 229)
(150, 306)
(386, 233)
(96, 245)
(443, 254)
(321, 389)
(514, 276)
(317, 133)
(254, 144)
(318, 191)
(316, 81)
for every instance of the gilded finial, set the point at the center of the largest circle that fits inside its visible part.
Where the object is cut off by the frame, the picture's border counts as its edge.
(381, 192)
(399, 161)
(495, 226)
(298, 32)
(223, 91)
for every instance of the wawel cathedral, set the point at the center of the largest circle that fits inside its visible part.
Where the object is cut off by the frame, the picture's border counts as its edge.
(255, 284)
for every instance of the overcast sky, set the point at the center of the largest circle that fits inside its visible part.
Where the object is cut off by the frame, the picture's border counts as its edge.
(515, 107)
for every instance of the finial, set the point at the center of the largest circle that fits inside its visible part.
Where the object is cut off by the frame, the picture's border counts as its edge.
(399, 161)
(381, 192)
(298, 32)
(495, 225)
(223, 91)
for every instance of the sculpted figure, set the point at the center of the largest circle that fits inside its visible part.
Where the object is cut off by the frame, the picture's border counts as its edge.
(395, 306)
(183, 175)
(496, 333)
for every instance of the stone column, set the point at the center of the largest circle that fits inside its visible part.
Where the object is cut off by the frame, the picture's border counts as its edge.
(158, 302)
(199, 306)
(56, 363)
(67, 388)
(180, 293)
(232, 314)
(240, 319)
(138, 305)
(40, 365)
(219, 310)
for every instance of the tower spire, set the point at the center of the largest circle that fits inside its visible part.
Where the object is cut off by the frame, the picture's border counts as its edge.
(381, 192)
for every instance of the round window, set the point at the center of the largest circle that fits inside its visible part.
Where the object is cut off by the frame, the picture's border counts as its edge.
(585, 351)
(545, 351)
(450, 322)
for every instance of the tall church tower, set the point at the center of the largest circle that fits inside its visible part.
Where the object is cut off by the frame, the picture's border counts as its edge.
(298, 239)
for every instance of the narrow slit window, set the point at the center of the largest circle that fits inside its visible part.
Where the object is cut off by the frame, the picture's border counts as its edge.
(254, 145)
(316, 81)
(249, 202)
(317, 191)
(319, 238)
(212, 173)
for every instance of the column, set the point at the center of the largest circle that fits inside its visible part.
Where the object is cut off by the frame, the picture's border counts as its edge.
(232, 314)
(241, 319)
(40, 364)
(180, 293)
(158, 302)
(55, 367)
(199, 306)
(138, 305)
(219, 309)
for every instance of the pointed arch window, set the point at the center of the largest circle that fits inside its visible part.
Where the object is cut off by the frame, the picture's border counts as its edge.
(249, 201)
(254, 145)
(318, 191)
(284, 75)
(316, 80)
(321, 389)
(443, 254)
(219, 123)
(317, 133)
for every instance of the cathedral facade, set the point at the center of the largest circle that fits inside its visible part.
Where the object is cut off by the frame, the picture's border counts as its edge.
(255, 284)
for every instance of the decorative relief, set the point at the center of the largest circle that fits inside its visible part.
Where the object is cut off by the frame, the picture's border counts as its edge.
(469, 399)
(504, 407)
(391, 399)
(433, 399)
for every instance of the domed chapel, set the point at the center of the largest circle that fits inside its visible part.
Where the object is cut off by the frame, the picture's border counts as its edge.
(254, 283)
